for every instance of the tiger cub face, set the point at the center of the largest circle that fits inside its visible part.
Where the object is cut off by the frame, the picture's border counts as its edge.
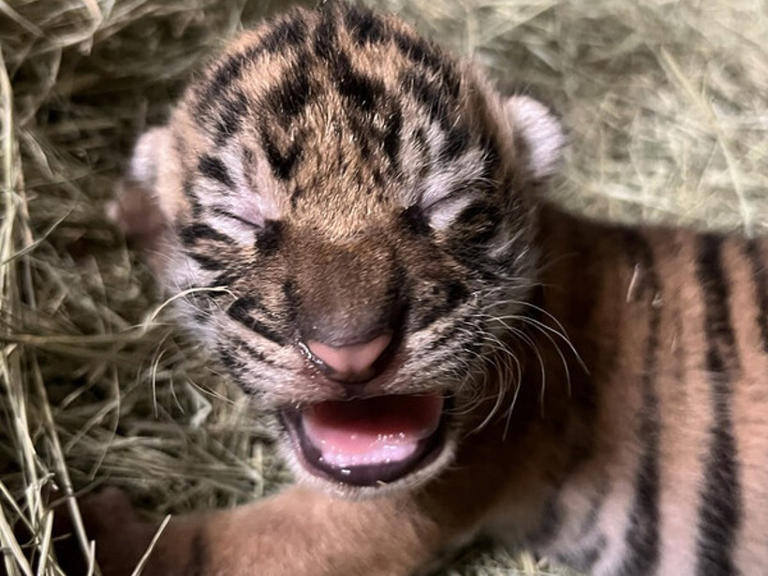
(347, 209)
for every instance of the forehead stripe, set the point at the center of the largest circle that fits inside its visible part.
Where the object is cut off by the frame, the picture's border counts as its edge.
(419, 51)
(394, 124)
(428, 94)
(282, 163)
(231, 117)
(290, 31)
(456, 142)
(325, 33)
(287, 100)
(365, 26)
(213, 168)
(365, 92)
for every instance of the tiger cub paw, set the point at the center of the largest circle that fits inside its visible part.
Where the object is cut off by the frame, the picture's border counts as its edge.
(120, 536)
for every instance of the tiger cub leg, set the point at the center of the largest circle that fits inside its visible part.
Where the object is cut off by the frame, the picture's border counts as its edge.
(299, 532)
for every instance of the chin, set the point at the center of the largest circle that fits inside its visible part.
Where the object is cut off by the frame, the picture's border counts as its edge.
(372, 446)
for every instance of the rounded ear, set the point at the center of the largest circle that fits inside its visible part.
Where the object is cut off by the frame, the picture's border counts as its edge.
(146, 153)
(135, 209)
(540, 131)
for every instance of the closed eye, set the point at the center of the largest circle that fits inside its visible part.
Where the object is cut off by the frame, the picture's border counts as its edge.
(429, 206)
(257, 226)
(442, 212)
(240, 225)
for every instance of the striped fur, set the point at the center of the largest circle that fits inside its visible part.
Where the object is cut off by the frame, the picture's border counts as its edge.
(334, 171)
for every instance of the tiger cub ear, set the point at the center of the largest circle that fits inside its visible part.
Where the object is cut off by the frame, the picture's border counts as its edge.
(144, 165)
(541, 134)
(136, 209)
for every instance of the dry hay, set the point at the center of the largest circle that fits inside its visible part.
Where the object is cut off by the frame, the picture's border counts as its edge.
(666, 105)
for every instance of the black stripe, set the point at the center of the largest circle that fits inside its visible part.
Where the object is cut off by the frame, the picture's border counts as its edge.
(549, 524)
(238, 344)
(365, 26)
(212, 167)
(205, 261)
(226, 278)
(226, 73)
(720, 510)
(456, 143)
(420, 51)
(189, 191)
(231, 117)
(289, 32)
(236, 370)
(392, 129)
(491, 157)
(460, 325)
(240, 310)
(228, 359)
(718, 328)
(199, 557)
(760, 277)
(444, 361)
(642, 534)
(289, 98)
(297, 193)
(378, 180)
(292, 301)
(456, 293)
(200, 316)
(585, 558)
(270, 237)
(282, 163)
(325, 33)
(191, 234)
(415, 221)
(361, 90)
(478, 223)
(219, 211)
(429, 94)
(448, 296)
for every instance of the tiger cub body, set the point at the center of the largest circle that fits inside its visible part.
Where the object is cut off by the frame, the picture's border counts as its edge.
(354, 217)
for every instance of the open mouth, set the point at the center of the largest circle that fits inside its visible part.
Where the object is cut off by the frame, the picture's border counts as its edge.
(368, 441)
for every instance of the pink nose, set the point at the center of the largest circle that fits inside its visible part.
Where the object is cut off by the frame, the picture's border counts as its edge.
(353, 362)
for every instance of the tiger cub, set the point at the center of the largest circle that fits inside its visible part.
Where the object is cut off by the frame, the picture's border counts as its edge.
(445, 353)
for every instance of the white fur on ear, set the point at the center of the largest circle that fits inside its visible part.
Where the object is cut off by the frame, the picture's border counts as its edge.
(540, 130)
(146, 155)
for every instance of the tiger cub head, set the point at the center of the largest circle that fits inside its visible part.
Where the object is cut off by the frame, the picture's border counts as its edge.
(347, 210)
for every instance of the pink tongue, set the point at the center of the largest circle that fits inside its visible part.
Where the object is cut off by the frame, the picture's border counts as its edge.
(372, 431)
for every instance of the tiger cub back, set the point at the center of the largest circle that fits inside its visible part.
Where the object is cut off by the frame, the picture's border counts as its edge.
(673, 328)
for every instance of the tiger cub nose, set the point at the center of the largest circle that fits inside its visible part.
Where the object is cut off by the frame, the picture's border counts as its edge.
(351, 363)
